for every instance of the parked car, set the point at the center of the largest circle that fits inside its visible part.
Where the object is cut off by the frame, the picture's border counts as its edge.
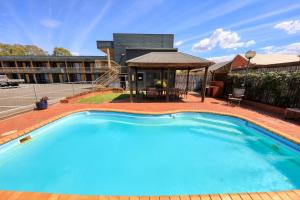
(5, 81)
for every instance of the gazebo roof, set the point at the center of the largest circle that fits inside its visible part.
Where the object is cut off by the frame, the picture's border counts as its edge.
(171, 60)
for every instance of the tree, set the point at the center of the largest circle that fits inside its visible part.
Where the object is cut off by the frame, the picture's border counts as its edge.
(59, 51)
(35, 50)
(20, 50)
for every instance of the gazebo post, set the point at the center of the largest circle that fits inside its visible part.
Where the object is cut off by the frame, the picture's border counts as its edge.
(130, 84)
(168, 85)
(204, 85)
(136, 82)
(187, 79)
(161, 78)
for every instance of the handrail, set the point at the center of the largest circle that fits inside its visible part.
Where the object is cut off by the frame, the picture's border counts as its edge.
(108, 77)
(51, 70)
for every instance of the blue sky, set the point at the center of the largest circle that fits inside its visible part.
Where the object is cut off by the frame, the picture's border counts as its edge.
(206, 28)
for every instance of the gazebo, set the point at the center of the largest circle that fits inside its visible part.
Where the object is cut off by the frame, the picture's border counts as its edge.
(167, 61)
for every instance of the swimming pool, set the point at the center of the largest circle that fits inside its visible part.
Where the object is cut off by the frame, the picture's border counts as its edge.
(111, 153)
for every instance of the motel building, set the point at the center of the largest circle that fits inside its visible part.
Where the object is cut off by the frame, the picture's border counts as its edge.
(54, 69)
(123, 47)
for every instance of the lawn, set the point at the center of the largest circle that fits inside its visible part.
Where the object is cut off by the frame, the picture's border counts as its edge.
(104, 98)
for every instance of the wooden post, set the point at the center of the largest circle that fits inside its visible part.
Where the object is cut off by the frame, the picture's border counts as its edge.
(67, 71)
(212, 75)
(83, 72)
(187, 80)
(108, 58)
(17, 67)
(27, 79)
(130, 84)
(50, 77)
(92, 65)
(168, 86)
(162, 78)
(204, 85)
(136, 82)
(33, 74)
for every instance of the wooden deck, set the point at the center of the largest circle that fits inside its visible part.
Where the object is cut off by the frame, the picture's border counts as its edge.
(286, 195)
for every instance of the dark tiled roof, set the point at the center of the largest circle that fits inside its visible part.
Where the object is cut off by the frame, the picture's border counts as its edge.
(168, 58)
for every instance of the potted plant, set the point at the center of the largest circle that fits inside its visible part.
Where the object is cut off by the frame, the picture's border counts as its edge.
(42, 104)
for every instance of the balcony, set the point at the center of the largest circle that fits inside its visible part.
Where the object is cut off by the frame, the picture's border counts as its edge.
(52, 70)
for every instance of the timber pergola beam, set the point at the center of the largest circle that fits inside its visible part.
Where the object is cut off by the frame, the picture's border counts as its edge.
(168, 61)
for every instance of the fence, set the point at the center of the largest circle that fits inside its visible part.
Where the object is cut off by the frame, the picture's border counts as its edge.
(275, 88)
(194, 81)
(282, 67)
(23, 97)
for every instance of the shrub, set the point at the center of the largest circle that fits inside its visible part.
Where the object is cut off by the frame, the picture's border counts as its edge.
(158, 84)
(275, 88)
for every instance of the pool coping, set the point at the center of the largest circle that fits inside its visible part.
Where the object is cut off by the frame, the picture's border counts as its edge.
(279, 195)
(24, 132)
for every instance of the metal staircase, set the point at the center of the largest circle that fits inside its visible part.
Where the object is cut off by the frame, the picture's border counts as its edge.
(108, 77)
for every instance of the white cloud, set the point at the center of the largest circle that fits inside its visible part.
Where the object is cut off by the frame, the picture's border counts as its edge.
(178, 43)
(291, 27)
(218, 59)
(293, 48)
(50, 23)
(265, 15)
(223, 39)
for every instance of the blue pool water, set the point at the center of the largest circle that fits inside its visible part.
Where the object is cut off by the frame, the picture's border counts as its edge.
(112, 153)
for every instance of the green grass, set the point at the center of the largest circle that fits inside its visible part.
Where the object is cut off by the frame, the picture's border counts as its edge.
(104, 98)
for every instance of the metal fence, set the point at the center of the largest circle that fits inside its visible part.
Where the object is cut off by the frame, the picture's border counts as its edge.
(195, 81)
(283, 67)
(277, 89)
(23, 97)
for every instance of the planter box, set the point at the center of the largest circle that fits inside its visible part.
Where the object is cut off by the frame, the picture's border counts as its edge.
(41, 105)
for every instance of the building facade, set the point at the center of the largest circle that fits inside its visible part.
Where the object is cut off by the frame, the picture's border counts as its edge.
(59, 69)
(54, 69)
(126, 46)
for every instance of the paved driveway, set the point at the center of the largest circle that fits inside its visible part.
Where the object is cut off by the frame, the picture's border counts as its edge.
(26, 94)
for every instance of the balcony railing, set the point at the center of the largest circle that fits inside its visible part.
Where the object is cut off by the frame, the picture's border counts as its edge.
(55, 70)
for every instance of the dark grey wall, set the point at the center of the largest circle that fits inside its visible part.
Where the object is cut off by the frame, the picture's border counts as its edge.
(123, 41)
(133, 53)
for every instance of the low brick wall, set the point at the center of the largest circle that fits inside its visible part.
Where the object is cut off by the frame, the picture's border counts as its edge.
(72, 99)
(265, 107)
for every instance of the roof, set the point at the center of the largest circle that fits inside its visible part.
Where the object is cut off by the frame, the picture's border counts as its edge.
(269, 59)
(145, 48)
(52, 58)
(218, 65)
(143, 34)
(176, 60)
(215, 66)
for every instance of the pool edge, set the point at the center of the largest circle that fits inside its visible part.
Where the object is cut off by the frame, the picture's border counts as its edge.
(253, 195)
(282, 195)
(23, 132)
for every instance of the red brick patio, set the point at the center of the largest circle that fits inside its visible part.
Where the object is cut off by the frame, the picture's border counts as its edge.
(31, 120)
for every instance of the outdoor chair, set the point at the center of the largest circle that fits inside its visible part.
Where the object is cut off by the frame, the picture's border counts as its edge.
(236, 96)
(152, 93)
(174, 94)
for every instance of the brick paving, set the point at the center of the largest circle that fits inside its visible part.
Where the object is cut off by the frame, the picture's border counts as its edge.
(271, 121)
(31, 120)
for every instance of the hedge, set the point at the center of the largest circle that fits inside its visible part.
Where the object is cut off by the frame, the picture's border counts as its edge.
(275, 88)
